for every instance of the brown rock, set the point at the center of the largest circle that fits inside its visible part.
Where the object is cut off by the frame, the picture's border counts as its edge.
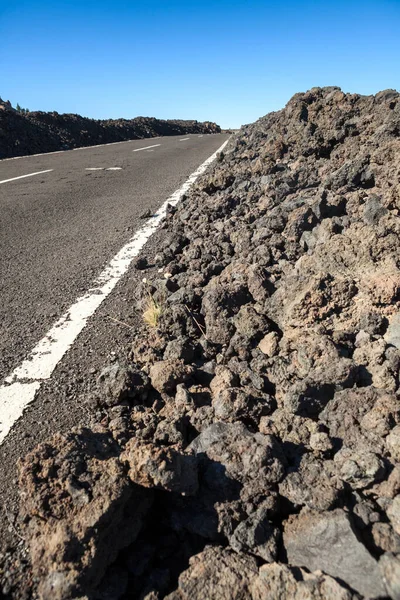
(165, 375)
(280, 581)
(80, 510)
(216, 573)
(269, 344)
(164, 468)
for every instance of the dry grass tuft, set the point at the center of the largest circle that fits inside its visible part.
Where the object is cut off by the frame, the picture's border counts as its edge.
(152, 312)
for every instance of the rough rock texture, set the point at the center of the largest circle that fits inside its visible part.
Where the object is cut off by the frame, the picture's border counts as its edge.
(218, 574)
(80, 510)
(327, 542)
(273, 372)
(32, 132)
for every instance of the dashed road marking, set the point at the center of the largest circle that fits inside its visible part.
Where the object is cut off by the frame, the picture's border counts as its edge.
(22, 385)
(184, 139)
(103, 168)
(28, 175)
(146, 147)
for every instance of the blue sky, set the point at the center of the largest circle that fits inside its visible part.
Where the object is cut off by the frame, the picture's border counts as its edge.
(226, 61)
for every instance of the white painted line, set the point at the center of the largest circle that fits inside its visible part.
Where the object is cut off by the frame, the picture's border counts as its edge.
(200, 136)
(103, 168)
(28, 175)
(184, 139)
(26, 379)
(13, 401)
(146, 148)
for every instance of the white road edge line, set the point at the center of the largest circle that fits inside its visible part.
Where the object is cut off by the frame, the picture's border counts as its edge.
(184, 139)
(23, 176)
(25, 381)
(153, 146)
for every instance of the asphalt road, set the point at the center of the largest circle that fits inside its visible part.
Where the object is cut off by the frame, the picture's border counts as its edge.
(58, 230)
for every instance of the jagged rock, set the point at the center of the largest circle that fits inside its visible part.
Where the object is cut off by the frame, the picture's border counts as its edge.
(80, 510)
(118, 382)
(280, 581)
(165, 375)
(359, 469)
(312, 482)
(392, 335)
(216, 573)
(327, 542)
(153, 467)
(257, 535)
(393, 443)
(269, 344)
(253, 459)
(393, 513)
(385, 538)
(390, 568)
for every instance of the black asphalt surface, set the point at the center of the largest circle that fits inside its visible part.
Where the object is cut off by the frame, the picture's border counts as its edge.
(59, 229)
(57, 232)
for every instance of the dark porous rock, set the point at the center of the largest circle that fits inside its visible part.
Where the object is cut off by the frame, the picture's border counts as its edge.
(242, 404)
(79, 508)
(254, 460)
(327, 542)
(385, 538)
(141, 263)
(359, 469)
(216, 573)
(180, 348)
(257, 535)
(121, 382)
(313, 483)
(165, 468)
(393, 512)
(359, 417)
(373, 210)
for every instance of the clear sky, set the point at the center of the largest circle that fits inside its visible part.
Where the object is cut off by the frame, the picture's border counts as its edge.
(227, 61)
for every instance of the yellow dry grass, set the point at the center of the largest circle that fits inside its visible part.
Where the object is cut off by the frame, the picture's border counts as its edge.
(152, 312)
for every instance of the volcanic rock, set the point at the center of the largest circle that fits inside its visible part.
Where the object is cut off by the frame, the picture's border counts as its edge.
(268, 423)
(80, 510)
(327, 542)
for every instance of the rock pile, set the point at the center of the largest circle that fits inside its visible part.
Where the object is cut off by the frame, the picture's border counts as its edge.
(250, 446)
(35, 132)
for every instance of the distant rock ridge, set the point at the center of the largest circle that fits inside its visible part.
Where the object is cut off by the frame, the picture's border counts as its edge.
(34, 132)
